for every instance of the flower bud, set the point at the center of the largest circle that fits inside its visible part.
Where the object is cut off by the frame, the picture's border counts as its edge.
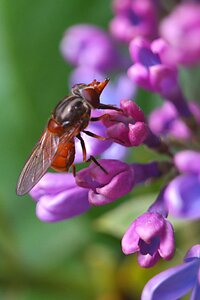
(59, 198)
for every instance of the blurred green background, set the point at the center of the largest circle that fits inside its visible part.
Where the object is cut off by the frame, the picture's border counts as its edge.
(72, 259)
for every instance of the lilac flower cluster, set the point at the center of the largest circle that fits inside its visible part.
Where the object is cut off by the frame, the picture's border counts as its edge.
(157, 47)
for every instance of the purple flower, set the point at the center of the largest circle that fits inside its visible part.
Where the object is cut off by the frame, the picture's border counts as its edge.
(177, 281)
(150, 72)
(105, 188)
(128, 128)
(121, 178)
(166, 121)
(133, 18)
(152, 237)
(88, 45)
(181, 29)
(59, 198)
(188, 161)
(182, 196)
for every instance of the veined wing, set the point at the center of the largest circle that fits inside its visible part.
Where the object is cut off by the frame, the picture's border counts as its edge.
(42, 157)
(38, 163)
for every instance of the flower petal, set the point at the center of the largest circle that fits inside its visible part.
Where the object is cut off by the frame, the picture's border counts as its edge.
(93, 176)
(164, 80)
(188, 161)
(138, 133)
(172, 283)
(195, 292)
(130, 240)
(51, 184)
(167, 247)
(182, 196)
(131, 109)
(119, 133)
(194, 252)
(98, 199)
(65, 205)
(139, 75)
(149, 225)
(148, 261)
(173, 28)
(119, 186)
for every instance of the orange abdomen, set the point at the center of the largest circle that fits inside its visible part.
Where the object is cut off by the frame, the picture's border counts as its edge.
(64, 156)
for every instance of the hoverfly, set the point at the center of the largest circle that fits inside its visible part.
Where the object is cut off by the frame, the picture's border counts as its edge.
(56, 146)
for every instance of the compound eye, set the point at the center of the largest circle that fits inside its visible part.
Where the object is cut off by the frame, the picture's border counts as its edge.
(91, 96)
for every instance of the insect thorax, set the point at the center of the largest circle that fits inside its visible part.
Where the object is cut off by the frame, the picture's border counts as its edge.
(71, 110)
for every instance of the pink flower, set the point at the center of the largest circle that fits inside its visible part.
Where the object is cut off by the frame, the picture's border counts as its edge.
(106, 188)
(128, 127)
(152, 237)
(119, 179)
(166, 121)
(88, 45)
(182, 195)
(181, 30)
(133, 18)
(59, 198)
(151, 72)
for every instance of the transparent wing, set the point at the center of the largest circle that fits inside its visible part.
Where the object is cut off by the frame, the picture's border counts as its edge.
(42, 157)
(38, 163)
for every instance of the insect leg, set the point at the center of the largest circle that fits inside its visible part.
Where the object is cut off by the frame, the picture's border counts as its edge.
(74, 170)
(107, 106)
(83, 147)
(92, 158)
(102, 117)
(94, 135)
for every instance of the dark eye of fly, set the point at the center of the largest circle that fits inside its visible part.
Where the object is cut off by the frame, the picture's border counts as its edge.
(71, 110)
